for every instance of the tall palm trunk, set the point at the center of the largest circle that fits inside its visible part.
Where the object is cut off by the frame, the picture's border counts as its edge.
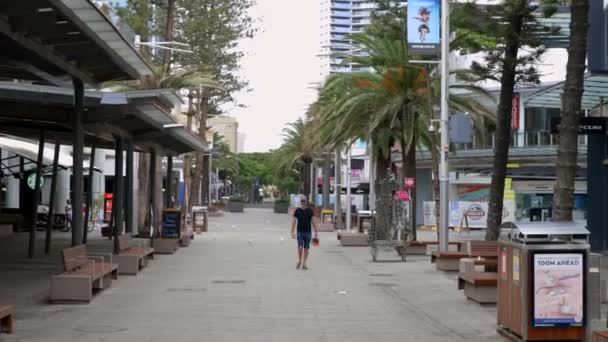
(203, 111)
(408, 167)
(306, 175)
(143, 195)
(503, 122)
(188, 158)
(563, 202)
(326, 177)
(338, 188)
(169, 30)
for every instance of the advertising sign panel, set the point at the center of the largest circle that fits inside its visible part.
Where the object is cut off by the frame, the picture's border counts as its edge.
(476, 213)
(423, 27)
(558, 284)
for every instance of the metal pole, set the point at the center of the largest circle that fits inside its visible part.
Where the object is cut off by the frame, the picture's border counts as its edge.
(443, 166)
(348, 199)
(37, 184)
(153, 194)
(49, 227)
(87, 212)
(118, 196)
(372, 177)
(129, 186)
(78, 145)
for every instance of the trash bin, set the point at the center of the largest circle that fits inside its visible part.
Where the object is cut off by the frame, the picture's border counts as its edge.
(542, 281)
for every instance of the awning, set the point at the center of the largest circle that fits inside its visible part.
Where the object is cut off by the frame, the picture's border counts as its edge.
(595, 90)
(145, 117)
(55, 40)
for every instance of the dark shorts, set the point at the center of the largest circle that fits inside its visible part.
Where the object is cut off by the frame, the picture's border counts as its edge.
(304, 240)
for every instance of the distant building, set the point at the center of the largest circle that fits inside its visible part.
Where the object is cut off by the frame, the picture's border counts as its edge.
(227, 127)
(241, 143)
(338, 19)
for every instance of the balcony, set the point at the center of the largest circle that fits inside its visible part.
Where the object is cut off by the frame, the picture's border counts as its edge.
(345, 22)
(519, 139)
(341, 6)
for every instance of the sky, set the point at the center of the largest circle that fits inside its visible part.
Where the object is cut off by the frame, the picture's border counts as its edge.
(280, 64)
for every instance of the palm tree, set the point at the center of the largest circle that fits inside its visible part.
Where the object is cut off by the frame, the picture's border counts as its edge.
(297, 152)
(571, 109)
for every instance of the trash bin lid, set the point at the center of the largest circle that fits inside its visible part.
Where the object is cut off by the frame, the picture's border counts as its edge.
(546, 231)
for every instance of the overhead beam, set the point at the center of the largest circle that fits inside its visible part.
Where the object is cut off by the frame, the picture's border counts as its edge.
(44, 53)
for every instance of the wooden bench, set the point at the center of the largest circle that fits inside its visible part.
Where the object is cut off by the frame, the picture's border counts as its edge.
(600, 336)
(352, 239)
(83, 274)
(478, 283)
(13, 217)
(7, 321)
(133, 254)
(419, 247)
(450, 261)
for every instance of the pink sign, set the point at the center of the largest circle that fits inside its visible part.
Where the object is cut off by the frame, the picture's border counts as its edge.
(402, 195)
(410, 183)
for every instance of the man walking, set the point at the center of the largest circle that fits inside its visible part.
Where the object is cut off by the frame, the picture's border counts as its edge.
(304, 217)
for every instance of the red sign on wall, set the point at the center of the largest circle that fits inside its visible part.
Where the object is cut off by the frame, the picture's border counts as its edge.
(410, 183)
(515, 112)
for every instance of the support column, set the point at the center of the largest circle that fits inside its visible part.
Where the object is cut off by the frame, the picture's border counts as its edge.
(21, 180)
(169, 183)
(78, 143)
(13, 185)
(32, 245)
(119, 194)
(53, 195)
(129, 208)
(155, 193)
(89, 203)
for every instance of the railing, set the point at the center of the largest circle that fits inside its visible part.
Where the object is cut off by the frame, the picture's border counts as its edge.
(518, 139)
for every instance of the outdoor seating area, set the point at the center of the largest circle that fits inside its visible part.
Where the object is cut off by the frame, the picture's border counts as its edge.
(450, 260)
(83, 275)
(353, 239)
(133, 254)
(478, 279)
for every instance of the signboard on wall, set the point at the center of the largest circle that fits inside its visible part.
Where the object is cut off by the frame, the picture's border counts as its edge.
(587, 125)
(515, 112)
(476, 213)
(423, 27)
(559, 289)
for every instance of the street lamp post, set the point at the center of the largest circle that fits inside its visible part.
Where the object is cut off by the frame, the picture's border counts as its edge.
(348, 199)
(444, 228)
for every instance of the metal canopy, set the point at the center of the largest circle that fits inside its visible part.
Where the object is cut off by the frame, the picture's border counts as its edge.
(596, 88)
(26, 109)
(54, 40)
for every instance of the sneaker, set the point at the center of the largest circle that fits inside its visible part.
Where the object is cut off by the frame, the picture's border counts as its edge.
(304, 267)
(298, 266)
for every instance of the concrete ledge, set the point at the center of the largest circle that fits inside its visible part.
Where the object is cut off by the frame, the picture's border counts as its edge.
(327, 227)
(349, 239)
(480, 294)
(449, 265)
(128, 264)
(165, 246)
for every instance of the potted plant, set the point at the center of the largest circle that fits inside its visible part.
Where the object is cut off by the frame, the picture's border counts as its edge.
(236, 204)
(281, 206)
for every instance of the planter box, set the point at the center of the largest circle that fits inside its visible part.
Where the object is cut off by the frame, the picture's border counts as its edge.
(236, 207)
(281, 207)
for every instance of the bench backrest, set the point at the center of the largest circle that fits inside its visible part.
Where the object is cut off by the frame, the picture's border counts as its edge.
(74, 257)
(124, 241)
(483, 248)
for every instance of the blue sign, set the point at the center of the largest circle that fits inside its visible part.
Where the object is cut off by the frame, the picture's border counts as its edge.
(423, 27)
(171, 225)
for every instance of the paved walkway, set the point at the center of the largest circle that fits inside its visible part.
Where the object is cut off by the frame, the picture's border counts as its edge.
(239, 283)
